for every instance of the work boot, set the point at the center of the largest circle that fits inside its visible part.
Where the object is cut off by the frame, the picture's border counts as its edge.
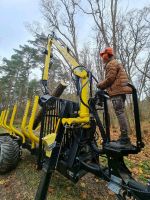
(122, 142)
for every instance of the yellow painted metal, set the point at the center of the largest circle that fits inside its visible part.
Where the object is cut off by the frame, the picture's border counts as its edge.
(16, 131)
(24, 127)
(77, 120)
(5, 122)
(84, 110)
(4, 114)
(80, 72)
(47, 61)
(24, 120)
(84, 115)
(49, 140)
(2, 117)
(31, 121)
(38, 128)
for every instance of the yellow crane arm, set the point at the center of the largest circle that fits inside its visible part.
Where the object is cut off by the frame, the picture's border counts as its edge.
(78, 71)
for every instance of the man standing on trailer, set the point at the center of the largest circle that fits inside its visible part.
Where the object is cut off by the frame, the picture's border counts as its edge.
(115, 83)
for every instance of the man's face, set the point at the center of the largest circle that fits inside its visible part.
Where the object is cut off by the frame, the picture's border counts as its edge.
(105, 58)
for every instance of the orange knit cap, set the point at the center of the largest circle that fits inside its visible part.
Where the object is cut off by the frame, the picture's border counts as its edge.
(108, 50)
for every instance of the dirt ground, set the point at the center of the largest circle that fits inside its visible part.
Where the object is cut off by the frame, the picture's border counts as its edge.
(139, 164)
(22, 182)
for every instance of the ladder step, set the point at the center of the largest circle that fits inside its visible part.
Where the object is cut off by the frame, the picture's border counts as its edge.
(110, 148)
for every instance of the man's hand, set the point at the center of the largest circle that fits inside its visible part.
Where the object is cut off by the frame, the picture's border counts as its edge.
(98, 85)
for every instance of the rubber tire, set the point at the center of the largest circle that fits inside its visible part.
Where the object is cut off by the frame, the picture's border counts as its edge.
(9, 154)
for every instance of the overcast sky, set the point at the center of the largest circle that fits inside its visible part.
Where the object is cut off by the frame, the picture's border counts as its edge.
(13, 16)
(15, 13)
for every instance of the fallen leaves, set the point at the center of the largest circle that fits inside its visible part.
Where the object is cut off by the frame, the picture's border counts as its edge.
(96, 180)
(51, 190)
(140, 170)
(2, 182)
(83, 195)
(111, 193)
(68, 188)
(82, 184)
(137, 171)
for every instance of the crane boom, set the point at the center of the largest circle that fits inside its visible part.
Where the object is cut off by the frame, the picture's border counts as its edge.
(78, 71)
